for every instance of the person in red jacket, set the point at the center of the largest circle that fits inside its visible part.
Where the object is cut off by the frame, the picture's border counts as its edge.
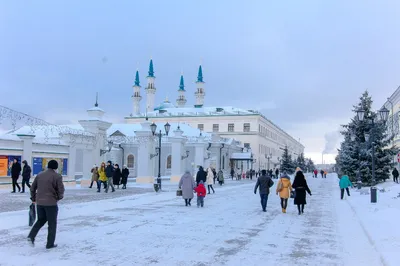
(315, 173)
(201, 193)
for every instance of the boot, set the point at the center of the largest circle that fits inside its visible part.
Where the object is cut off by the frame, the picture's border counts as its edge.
(284, 210)
(186, 202)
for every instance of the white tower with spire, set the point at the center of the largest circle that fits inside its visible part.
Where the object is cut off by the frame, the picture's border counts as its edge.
(200, 93)
(181, 101)
(136, 98)
(150, 89)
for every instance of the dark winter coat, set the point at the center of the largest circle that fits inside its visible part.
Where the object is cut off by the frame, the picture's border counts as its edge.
(47, 188)
(117, 176)
(201, 175)
(15, 170)
(26, 172)
(395, 173)
(109, 171)
(301, 187)
(125, 174)
(264, 182)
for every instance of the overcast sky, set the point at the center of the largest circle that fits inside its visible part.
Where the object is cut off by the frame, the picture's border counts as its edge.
(302, 63)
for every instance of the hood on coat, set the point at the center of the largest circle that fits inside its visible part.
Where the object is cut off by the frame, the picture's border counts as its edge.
(187, 175)
(285, 176)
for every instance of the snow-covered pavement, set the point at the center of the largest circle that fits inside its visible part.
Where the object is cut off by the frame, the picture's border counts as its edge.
(157, 229)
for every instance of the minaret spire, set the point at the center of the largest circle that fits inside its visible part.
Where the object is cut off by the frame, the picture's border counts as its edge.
(97, 97)
(200, 92)
(181, 101)
(150, 89)
(136, 98)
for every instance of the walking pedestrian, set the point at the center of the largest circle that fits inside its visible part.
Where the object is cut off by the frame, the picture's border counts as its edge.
(232, 173)
(210, 178)
(201, 194)
(46, 190)
(26, 175)
(102, 177)
(301, 187)
(344, 184)
(215, 175)
(264, 183)
(201, 175)
(395, 174)
(95, 177)
(187, 185)
(277, 172)
(283, 188)
(315, 173)
(109, 174)
(322, 173)
(117, 175)
(15, 172)
(125, 175)
(220, 177)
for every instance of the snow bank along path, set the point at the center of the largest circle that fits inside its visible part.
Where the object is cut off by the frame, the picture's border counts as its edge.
(157, 229)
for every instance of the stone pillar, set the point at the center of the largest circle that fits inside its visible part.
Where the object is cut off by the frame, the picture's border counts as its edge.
(27, 147)
(145, 165)
(199, 149)
(71, 162)
(177, 145)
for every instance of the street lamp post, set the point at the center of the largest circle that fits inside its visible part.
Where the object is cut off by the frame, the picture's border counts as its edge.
(268, 157)
(153, 128)
(383, 113)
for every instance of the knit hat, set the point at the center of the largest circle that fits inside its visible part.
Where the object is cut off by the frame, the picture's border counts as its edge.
(24, 161)
(53, 164)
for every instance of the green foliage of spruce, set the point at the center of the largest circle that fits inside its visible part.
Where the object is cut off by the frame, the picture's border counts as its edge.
(287, 163)
(354, 156)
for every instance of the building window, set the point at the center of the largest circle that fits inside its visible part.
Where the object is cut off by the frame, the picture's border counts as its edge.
(247, 145)
(246, 127)
(231, 127)
(131, 161)
(169, 160)
(215, 127)
(201, 127)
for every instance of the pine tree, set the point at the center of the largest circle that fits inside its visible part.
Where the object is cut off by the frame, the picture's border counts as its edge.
(287, 164)
(309, 165)
(301, 162)
(356, 156)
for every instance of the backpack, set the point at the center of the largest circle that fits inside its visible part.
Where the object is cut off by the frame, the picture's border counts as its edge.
(280, 186)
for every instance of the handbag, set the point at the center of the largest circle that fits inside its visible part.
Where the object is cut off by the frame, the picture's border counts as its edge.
(179, 193)
(292, 194)
(32, 214)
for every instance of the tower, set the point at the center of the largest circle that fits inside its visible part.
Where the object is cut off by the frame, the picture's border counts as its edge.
(136, 98)
(200, 93)
(181, 101)
(150, 89)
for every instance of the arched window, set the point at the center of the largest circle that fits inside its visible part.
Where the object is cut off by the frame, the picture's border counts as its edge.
(169, 158)
(131, 161)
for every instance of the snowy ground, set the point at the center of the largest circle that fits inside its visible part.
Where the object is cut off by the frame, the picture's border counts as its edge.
(157, 229)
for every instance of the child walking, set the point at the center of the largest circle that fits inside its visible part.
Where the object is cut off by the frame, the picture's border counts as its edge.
(201, 193)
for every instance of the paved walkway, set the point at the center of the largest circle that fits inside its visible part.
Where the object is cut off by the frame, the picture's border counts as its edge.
(157, 229)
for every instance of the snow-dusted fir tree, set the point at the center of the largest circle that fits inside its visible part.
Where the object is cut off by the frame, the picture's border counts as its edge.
(310, 165)
(356, 155)
(287, 164)
(301, 162)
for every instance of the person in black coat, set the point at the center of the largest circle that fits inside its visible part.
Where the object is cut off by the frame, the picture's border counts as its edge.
(125, 174)
(15, 172)
(110, 175)
(301, 187)
(117, 175)
(395, 174)
(201, 175)
(26, 175)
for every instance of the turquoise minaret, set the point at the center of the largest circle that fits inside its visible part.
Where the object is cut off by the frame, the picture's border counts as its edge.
(136, 97)
(150, 89)
(181, 101)
(200, 93)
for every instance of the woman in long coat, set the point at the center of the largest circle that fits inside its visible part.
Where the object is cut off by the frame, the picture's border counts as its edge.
(283, 188)
(187, 185)
(301, 187)
(117, 175)
(210, 180)
(125, 175)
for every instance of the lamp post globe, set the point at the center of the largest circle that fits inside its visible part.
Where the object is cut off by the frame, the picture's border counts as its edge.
(360, 114)
(384, 114)
(167, 127)
(153, 128)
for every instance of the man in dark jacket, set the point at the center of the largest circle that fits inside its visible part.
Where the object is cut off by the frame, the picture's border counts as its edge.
(26, 175)
(264, 182)
(46, 190)
(15, 172)
(395, 174)
(109, 175)
(201, 175)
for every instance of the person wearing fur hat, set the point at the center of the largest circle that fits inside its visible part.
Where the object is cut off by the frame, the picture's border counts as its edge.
(125, 174)
(46, 190)
(95, 177)
(283, 188)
